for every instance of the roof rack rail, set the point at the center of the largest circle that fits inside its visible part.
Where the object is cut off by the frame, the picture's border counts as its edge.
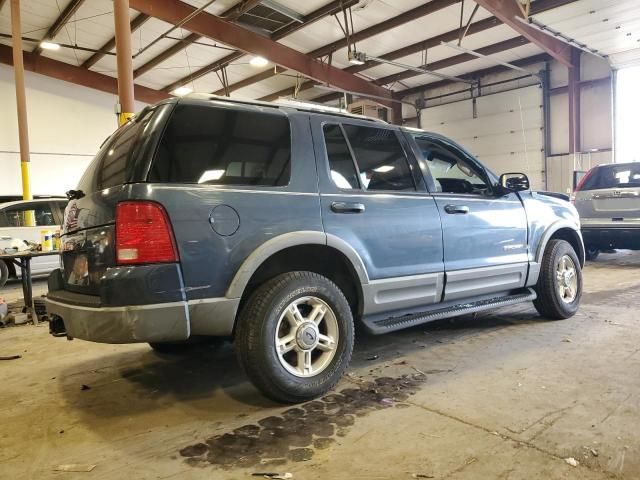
(286, 104)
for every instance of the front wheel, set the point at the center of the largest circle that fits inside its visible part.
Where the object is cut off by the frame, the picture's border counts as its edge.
(295, 336)
(559, 286)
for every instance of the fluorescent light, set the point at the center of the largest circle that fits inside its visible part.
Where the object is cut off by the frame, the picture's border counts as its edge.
(258, 62)
(182, 91)
(209, 175)
(384, 169)
(49, 46)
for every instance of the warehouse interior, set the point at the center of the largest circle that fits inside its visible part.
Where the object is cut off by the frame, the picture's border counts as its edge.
(544, 88)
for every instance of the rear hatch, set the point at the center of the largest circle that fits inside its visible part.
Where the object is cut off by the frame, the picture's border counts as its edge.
(88, 231)
(610, 195)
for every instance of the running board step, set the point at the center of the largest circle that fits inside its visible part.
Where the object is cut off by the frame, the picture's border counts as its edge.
(398, 323)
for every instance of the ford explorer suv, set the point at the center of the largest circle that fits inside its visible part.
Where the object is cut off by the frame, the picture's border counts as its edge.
(281, 227)
(608, 201)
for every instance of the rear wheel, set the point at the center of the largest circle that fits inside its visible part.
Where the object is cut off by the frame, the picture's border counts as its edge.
(591, 253)
(4, 273)
(559, 286)
(295, 336)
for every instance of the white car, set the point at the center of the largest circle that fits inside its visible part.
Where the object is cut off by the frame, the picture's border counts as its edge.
(48, 213)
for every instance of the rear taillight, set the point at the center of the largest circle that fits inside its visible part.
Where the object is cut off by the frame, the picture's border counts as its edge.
(580, 185)
(584, 179)
(143, 234)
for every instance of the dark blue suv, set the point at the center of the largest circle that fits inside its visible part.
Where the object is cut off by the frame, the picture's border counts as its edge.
(279, 226)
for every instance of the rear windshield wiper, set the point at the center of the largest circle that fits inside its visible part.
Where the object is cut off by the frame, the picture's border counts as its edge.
(74, 194)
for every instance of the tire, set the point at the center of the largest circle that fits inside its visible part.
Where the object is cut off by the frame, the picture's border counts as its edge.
(4, 273)
(289, 377)
(181, 348)
(551, 303)
(591, 253)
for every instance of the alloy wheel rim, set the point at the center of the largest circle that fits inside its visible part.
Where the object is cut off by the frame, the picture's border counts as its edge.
(567, 276)
(306, 337)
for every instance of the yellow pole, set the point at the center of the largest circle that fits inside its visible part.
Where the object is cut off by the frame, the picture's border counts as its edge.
(123, 60)
(21, 102)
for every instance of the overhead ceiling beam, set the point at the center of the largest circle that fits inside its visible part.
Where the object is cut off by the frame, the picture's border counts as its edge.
(421, 11)
(524, 62)
(231, 15)
(399, 53)
(136, 23)
(69, 11)
(537, 7)
(444, 63)
(215, 28)
(507, 11)
(329, 9)
(455, 60)
(78, 75)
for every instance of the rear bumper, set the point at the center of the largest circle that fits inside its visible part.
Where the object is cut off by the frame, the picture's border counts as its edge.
(102, 319)
(606, 238)
(165, 322)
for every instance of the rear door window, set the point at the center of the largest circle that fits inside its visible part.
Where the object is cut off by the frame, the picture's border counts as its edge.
(381, 160)
(219, 146)
(613, 176)
(341, 165)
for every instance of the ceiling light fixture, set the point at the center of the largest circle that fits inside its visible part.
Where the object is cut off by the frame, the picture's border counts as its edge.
(182, 91)
(357, 58)
(259, 62)
(49, 46)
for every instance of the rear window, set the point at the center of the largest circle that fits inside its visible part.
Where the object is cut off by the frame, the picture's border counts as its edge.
(115, 162)
(613, 176)
(219, 146)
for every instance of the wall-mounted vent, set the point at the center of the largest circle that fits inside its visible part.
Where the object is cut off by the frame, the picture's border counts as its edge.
(368, 109)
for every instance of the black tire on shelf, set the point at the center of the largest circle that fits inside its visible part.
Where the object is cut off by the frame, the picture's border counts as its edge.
(264, 318)
(4, 273)
(551, 303)
(591, 253)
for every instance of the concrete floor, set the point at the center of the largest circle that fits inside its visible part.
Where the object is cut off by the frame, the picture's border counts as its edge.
(507, 395)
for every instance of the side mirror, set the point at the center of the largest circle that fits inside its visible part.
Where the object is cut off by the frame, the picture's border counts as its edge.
(514, 182)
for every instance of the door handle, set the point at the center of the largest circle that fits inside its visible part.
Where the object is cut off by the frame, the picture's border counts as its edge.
(347, 207)
(456, 209)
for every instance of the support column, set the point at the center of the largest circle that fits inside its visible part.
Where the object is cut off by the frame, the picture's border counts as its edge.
(574, 103)
(396, 112)
(21, 102)
(124, 60)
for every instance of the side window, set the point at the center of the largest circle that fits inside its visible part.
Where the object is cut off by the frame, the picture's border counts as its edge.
(218, 146)
(381, 160)
(341, 166)
(18, 216)
(450, 170)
